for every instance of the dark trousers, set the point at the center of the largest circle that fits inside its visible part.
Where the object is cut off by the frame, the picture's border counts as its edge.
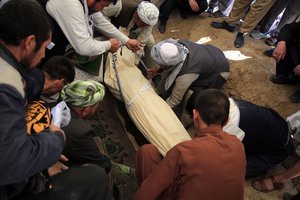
(259, 163)
(296, 197)
(290, 14)
(267, 141)
(272, 14)
(290, 61)
(169, 5)
(86, 182)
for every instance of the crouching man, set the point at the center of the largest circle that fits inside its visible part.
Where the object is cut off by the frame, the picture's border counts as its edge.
(83, 98)
(186, 65)
(194, 169)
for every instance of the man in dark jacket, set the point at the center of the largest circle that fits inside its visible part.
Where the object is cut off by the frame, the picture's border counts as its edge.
(83, 98)
(287, 56)
(24, 35)
(187, 66)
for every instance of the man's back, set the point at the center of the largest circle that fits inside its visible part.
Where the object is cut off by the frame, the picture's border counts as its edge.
(211, 166)
(215, 161)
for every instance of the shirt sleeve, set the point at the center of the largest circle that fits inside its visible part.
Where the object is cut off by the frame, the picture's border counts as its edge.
(161, 178)
(23, 156)
(145, 36)
(71, 19)
(182, 83)
(107, 28)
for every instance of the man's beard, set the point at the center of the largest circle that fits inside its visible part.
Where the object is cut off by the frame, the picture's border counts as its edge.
(27, 61)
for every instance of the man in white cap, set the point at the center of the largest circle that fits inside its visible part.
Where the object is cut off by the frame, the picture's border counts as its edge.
(139, 20)
(140, 28)
(79, 23)
(187, 66)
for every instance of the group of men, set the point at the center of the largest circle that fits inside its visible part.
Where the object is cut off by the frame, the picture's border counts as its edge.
(47, 157)
(25, 34)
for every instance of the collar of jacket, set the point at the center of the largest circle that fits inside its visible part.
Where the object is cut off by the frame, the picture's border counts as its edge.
(6, 55)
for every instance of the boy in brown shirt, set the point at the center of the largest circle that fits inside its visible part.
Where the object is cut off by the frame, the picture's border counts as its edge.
(211, 166)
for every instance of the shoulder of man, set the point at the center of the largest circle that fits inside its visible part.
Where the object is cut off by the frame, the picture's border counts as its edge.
(77, 126)
(10, 76)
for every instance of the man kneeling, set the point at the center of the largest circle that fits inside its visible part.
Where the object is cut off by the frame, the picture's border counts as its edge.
(195, 169)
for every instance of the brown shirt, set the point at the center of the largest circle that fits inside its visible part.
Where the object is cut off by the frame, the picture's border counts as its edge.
(211, 166)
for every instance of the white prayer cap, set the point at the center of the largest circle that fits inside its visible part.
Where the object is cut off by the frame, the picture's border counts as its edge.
(168, 52)
(148, 13)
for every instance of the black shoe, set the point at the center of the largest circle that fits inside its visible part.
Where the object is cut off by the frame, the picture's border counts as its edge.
(224, 25)
(282, 79)
(269, 52)
(295, 98)
(239, 40)
(162, 26)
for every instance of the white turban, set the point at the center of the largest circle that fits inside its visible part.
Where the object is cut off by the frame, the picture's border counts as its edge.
(148, 13)
(168, 52)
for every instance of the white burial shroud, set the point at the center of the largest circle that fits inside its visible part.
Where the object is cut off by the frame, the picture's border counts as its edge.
(150, 113)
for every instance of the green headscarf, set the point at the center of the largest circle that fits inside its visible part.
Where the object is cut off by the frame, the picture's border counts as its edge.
(83, 93)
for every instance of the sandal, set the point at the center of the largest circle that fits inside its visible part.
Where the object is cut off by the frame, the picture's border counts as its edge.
(263, 186)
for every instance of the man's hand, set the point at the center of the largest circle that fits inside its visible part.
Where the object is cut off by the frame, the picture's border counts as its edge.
(115, 45)
(133, 45)
(194, 5)
(279, 51)
(153, 71)
(54, 128)
(297, 70)
(57, 168)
